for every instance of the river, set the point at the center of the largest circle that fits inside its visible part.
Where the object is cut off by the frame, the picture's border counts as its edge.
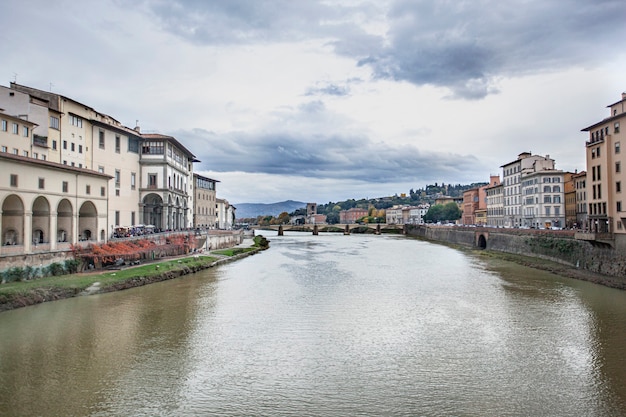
(327, 325)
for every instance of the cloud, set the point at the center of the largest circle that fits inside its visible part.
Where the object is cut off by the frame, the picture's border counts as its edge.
(323, 156)
(468, 46)
(464, 46)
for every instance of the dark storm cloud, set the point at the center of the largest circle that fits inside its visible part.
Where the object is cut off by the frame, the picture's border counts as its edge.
(338, 157)
(465, 46)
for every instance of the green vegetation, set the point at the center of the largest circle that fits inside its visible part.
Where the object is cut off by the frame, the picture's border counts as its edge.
(443, 213)
(233, 251)
(79, 282)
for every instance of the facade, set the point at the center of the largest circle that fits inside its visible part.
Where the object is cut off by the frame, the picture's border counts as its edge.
(393, 215)
(416, 214)
(495, 202)
(48, 206)
(225, 214)
(605, 177)
(580, 181)
(511, 181)
(151, 175)
(352, 215)
(204, 202)
(542, 205)
(470, 205)
(570, 200)
(166, 179)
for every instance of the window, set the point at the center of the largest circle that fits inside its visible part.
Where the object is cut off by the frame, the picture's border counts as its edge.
(4, 149)
(133, 145)
(598, 172)
(152, 180)
(132, 217)
(117, 192)
(117, 177)
(13, 180)
(618, 187)
(152, 148)
(15, 129)
(54, 122)
(26, 154)
(556, 199)
(117, 143)
(25, 131)
(101, 169)
(546, 188)
(64, 144)
(133, 178)
(43, 157)
(103, 192)
(35, 155)
(80, 148)
(617, 147)
(76, 121)
(547, 209)
(619, 206)
(42, 182)
(616, 127)
(547, 199)
(599, 191)
(16, 151)
(598, 152)
(88, 189)
(72, 146)
(101, 139)
(4, 126)
(65, 187)
(618, 167)
(557, 211)
(54, 144)
(117, 218)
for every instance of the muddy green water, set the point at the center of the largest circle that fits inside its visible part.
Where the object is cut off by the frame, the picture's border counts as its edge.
(327, 325)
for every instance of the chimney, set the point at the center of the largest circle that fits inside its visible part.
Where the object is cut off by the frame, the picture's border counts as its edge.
(137, 129)
(624, 95)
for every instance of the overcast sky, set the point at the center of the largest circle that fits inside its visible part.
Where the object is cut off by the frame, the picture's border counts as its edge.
(322, 101)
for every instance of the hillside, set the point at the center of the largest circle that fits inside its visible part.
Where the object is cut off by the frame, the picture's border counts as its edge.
(253, 210)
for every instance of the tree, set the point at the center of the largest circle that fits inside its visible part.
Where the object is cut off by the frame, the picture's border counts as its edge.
(283, 218)
(442, 213)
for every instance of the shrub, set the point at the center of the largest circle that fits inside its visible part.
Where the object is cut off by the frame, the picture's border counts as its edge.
(71, 266)
(13, 274)
(55, 269)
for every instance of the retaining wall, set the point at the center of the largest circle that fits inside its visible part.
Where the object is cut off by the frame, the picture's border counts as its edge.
(559, 247)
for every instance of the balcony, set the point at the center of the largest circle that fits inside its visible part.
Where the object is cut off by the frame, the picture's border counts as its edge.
(41, 141)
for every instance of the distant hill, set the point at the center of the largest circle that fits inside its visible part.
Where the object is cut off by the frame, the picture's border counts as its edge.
(248, 210)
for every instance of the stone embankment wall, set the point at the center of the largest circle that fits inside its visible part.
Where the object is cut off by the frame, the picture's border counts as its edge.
(557, 246)
(214, 239)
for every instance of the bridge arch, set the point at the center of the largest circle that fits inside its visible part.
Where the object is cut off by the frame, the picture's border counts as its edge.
(481, 241)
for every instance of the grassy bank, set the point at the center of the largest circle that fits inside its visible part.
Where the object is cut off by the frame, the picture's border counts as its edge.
(24, 293)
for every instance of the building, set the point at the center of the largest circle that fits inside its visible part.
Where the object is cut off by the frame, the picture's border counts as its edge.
(204, 202)
(47, 206)
(416, 213)
(495, 202)
(570, 200)
(352, 215)
(580, 181)
(151, 174)
(542, 203)
(225, 214)
(470, 205)
(511, 180)
(393, 215)
(605, 177)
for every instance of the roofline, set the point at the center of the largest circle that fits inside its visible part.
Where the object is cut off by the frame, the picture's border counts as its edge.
(54, 165)
(607, 120)
(172, 139)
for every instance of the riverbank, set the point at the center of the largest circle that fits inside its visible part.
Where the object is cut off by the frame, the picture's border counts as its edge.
(22, 294)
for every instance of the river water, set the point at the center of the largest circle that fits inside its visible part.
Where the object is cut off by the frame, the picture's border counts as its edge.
(326, 325)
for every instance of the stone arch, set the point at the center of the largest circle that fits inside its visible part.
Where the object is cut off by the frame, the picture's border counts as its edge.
(41, 220)
(153, 210)
(65, 230)
(12, 221)
(87, 221)
(481, 241)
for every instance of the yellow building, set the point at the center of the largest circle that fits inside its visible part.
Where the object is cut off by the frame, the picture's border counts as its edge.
(606, 200)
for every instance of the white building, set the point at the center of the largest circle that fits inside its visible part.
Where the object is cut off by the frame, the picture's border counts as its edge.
(543, 199)
(511, 182)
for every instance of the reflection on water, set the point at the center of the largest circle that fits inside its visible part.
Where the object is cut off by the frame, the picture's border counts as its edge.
(326, 325)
